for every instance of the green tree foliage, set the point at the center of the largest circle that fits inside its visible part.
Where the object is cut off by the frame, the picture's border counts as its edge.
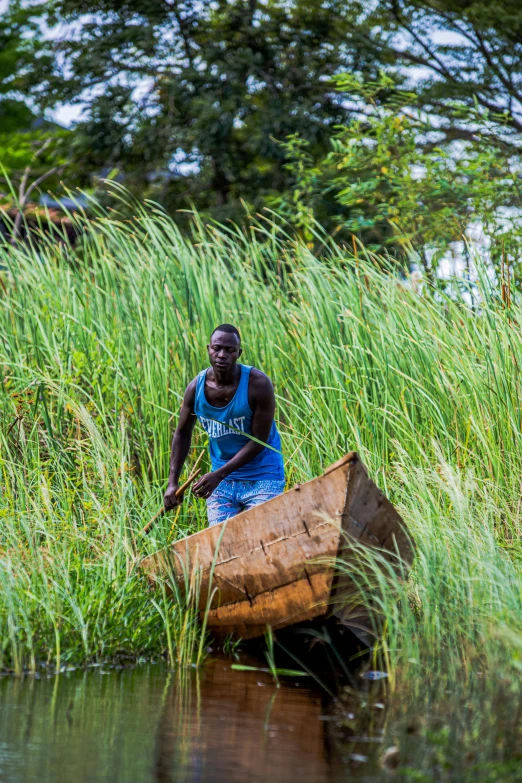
(20, 46)
(396, 190)
(195, 96)
(464, 51)
(32, 150)
(192, 103)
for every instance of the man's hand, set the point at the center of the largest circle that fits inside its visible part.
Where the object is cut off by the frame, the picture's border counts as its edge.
(206, 485)
(169, 499)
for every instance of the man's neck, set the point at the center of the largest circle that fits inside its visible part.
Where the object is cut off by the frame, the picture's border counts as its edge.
(227, 378)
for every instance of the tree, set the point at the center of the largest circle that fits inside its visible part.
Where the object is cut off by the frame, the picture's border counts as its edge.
(191, 98)
(32, 150)
(20, 47)
(195, 95)
(456, 53)
(400, 196)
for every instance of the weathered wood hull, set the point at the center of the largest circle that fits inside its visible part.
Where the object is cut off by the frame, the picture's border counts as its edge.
(275, 564)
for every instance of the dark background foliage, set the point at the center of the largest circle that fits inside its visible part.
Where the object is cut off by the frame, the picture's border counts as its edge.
(321, 110)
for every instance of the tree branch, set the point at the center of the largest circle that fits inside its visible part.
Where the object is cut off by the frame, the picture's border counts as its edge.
(508, 84)
(482, 100)
(24, 194)
(478, 42)
(400, 19)
(42, 178)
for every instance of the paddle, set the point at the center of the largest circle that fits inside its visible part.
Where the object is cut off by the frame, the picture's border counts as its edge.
(179, 493)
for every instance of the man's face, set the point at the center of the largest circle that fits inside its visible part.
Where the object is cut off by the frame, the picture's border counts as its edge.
(224, 350)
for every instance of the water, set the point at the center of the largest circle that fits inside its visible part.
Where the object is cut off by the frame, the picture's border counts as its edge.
(223, 726)
(146, 724)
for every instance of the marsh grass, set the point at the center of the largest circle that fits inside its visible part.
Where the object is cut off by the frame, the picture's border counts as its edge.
(98, 343)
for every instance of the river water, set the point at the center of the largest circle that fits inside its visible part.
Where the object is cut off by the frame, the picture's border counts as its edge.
(146, 724)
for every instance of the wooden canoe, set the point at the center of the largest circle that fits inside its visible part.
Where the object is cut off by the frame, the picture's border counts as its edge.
(275, 562)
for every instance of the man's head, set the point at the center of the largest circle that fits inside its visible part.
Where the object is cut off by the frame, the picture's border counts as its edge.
(224, 348)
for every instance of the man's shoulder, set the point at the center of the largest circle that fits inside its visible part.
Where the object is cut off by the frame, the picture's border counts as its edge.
(260, 380)
(194, 380)
(190, 391)
(259, 374)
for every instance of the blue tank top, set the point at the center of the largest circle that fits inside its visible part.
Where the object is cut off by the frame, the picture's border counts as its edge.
(224, 442)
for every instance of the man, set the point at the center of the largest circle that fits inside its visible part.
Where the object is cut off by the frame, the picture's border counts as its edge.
(230, 399)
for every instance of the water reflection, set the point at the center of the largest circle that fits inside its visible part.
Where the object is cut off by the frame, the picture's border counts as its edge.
(151, 726)
(148, 725)
(235, 726)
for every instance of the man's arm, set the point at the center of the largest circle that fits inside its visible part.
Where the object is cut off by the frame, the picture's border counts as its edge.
(181, 445)
(261, 393)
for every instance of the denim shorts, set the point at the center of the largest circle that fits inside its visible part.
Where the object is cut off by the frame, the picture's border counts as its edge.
(231, 497)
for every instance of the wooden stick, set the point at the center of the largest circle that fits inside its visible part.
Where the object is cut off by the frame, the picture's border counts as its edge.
(163, 510)
(179, 493)
(196, 464)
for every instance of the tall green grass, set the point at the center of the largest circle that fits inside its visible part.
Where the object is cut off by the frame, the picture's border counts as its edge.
(97, 345)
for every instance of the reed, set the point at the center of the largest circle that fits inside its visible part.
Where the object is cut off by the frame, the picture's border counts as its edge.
(98, 344)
